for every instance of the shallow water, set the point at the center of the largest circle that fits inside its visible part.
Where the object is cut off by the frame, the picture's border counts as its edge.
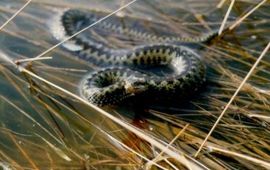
(43, 127)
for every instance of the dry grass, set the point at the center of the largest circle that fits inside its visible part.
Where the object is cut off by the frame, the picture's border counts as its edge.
(44, 124)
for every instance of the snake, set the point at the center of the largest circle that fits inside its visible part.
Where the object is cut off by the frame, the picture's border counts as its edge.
(160, 68)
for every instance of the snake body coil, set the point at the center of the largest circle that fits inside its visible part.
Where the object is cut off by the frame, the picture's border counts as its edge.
(160, 69)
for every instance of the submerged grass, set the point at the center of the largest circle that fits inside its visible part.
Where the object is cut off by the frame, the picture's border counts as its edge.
(45, 125)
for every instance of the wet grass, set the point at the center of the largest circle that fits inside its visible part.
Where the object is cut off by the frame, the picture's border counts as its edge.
(46, 125)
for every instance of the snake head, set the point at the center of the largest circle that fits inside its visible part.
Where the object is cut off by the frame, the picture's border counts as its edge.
(135, 88)
(135, 84)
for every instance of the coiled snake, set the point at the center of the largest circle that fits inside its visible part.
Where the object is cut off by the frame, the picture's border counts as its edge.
(129, 72)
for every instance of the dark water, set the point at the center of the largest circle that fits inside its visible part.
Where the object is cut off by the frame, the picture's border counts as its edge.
(43, 127)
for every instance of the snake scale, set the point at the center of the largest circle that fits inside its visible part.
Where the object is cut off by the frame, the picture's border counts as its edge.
(129, 72)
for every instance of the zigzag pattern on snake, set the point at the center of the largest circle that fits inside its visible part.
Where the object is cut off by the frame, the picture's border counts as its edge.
(129, 72)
